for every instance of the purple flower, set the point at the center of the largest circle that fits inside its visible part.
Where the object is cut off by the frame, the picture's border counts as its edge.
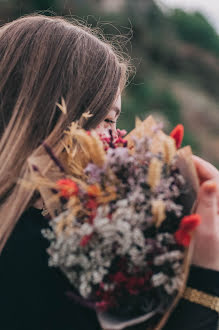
(94, 173)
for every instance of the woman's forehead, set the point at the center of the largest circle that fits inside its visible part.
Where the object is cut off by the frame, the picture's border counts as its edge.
(116, 109)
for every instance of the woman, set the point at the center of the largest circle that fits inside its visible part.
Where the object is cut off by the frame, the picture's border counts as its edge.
(41, 60)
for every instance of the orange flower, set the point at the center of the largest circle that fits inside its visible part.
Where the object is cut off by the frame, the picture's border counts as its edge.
(67, 187)
(177, 134)
(94, 190)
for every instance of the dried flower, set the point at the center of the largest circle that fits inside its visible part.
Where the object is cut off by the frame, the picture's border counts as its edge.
(94, 190)
(158, 211)
(177, 134)
(154, 173)
(169, 149)
(182, 237)
(119, 237)
(67, 187)
(190, 222)
(187, 226)
(62, 106)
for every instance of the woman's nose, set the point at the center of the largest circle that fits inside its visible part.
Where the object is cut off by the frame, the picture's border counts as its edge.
(114, 131)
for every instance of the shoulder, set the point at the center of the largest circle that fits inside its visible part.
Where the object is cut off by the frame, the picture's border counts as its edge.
(33, 292)
(26, 236)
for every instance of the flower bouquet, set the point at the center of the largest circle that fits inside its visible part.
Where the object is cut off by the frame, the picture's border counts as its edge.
(121, 221)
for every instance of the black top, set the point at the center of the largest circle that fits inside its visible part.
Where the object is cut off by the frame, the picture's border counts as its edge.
(33, 295)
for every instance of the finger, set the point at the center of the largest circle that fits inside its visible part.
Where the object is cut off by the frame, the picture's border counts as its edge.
(205, 170)
(207, 203)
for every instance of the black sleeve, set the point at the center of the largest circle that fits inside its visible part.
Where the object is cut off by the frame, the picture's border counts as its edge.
(33, 295)
(191, 316)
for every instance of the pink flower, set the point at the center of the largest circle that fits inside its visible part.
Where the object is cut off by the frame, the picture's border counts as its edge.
(122, 132)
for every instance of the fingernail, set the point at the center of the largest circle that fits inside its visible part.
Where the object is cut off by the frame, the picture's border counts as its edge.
(210, 187)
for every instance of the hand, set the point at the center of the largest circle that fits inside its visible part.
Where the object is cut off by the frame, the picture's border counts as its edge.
(206, 244)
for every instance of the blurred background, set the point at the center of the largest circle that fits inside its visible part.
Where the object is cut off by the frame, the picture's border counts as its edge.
(174, 46)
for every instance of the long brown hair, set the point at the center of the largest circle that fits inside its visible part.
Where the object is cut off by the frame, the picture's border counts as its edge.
(42, 60)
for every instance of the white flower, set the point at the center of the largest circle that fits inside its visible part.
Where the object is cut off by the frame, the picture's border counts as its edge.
(159, 279)
(86, 229)
(100, 222)
(84, 290)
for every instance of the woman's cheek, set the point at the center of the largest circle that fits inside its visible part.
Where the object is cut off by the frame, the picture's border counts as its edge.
(103, 128)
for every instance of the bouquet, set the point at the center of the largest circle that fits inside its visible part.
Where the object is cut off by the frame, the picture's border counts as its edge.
(121, 221)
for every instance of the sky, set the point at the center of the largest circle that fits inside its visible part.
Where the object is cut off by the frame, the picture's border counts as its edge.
(210, 8)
